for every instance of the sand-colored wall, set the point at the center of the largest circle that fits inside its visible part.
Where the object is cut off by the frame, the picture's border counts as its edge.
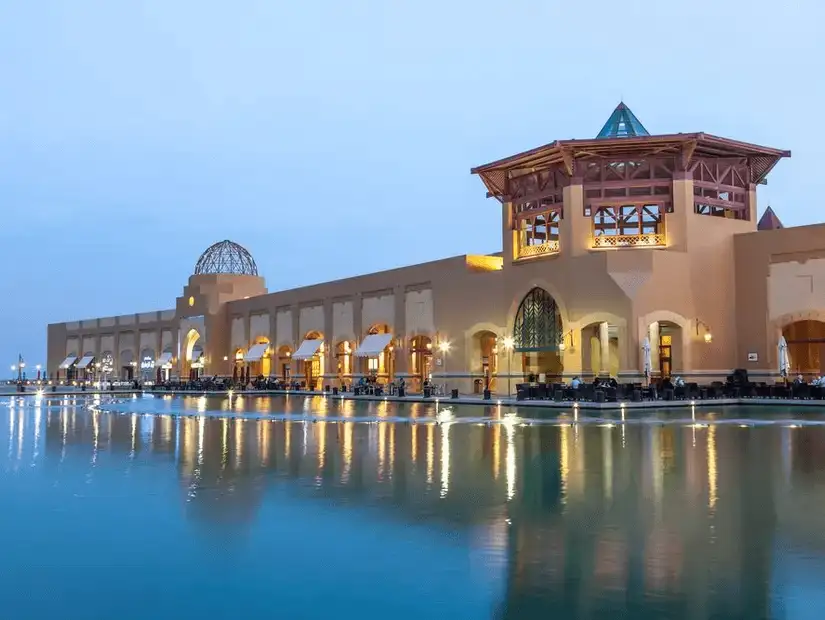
(779, 280)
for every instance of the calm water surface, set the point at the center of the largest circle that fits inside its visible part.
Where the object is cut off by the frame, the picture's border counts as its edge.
(271, 507)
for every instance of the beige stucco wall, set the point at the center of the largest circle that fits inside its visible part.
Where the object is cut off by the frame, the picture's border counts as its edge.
(259, 327)
(343, 328)
(283, 328)
(311, 319)
(378, 309)
(418, 308)
(238, 339)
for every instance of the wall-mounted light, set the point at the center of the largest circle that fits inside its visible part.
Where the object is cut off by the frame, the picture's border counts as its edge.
(708, 334)
(507, 342)
(563, 343)
(444, 346)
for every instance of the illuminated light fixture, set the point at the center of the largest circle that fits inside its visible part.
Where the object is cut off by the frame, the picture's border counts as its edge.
(708, 334)
(444, 346)
(508, 343)
(563, 344)
(191, 301)
(225, 358)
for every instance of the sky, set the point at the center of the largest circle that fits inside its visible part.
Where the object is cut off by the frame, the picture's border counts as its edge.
(335, 138)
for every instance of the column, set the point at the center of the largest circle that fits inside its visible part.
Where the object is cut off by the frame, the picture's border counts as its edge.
(358, 363)
(653, 334)
(296, 366)
(401, 353)
(604, 349)
(328, 372)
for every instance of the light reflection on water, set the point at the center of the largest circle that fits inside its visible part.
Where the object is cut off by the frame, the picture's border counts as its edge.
(469, 512)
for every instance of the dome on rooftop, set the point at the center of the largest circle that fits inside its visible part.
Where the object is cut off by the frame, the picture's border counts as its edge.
(226, 257)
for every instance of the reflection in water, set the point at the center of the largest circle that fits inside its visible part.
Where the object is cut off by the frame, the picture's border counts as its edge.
(571, 520)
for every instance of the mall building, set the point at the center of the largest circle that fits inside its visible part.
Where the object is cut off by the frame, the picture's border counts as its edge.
(608, 244)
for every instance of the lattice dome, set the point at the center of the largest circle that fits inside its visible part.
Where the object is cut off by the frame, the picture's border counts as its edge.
(226, 257)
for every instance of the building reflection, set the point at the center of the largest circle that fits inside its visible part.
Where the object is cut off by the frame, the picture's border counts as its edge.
(585, 519)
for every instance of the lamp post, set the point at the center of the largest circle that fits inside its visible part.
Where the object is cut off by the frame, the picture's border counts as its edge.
(508, 346)
(13, 368)
(444, 347)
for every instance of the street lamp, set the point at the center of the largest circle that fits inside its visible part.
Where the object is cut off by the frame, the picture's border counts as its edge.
(508, 346)
(444, 347)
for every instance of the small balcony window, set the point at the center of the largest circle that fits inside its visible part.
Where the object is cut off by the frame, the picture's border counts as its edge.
(635, 225)
(538, 234)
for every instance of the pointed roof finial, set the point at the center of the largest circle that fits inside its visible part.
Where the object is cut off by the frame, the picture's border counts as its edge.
(622, 124)
(769, 221)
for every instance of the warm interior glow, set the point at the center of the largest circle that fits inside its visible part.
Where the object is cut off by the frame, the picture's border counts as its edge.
(708, 337)
(191, 301)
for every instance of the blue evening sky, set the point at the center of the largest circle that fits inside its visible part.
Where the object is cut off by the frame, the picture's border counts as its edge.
(335, 138)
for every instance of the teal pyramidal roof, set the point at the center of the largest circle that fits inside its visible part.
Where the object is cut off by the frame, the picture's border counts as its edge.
(622, 124)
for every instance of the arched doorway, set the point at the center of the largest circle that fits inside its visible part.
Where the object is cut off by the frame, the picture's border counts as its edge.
(537, 333)
(258, 360)
(343, 362)
(194, 354)
(381, 366)
(127, 365)
(600, 349)
(238, 366)
(284, 360)
(421, 360)
(147, 365)
(484, 360)
(665, 348)
(806, 340)
(313, 367)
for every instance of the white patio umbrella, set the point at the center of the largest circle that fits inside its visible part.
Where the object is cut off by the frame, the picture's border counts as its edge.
(646, 351)
(784, 360)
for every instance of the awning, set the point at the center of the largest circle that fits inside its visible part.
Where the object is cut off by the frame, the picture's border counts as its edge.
(85, 361)
(165, 358)
(67, 363)
(308, 349)
(256, 352)
(373, 345)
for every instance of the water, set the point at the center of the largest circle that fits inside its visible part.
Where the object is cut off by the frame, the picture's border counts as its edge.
(315, 508)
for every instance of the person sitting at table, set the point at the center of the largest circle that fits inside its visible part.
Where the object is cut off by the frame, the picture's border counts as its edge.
(612, 382)
(576, 382)
(679, 382)
(597, 382)
(667, 384)
(800, 380)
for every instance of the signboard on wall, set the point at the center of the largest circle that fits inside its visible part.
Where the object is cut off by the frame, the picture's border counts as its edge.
(753, 357)
(148, 363)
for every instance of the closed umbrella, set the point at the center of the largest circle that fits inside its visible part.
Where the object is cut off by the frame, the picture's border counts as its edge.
(647, 363)
(784, 360)
(235, 374)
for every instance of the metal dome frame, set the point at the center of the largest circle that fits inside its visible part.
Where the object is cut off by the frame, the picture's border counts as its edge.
(226, 257)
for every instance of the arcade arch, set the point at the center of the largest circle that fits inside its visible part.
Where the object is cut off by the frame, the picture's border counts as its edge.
(806, 347)
(537, 334)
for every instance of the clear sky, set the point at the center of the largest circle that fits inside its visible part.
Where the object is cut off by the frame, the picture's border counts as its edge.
(335, 138)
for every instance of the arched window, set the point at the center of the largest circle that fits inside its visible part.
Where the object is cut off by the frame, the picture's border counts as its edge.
(538, 323)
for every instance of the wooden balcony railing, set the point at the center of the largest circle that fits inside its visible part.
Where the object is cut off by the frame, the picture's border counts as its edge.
(649, 240)
(532, 251)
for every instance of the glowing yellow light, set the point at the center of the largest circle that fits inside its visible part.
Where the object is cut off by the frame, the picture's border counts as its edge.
(191, 301)
(444, 346)
(708, 337)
